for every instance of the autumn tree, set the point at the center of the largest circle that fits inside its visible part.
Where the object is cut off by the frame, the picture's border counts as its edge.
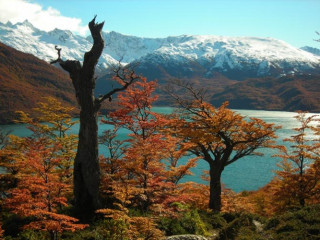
(145, 145)
(40, 192)
(86, 163)
(52, 125)
(176, 149)
(219, 136)
(298, 179)
(151, 156)
(47, 154)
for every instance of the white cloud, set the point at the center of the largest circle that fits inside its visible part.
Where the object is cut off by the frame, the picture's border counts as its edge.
(44, 19)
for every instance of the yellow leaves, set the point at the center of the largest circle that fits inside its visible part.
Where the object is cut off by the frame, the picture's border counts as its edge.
(41, 169)
(144, 228)
(236, 202)
(54, 120)
(297, 180)
(138, 227)
(115, 214)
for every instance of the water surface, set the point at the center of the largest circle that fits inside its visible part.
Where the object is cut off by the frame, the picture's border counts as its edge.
(248, 173)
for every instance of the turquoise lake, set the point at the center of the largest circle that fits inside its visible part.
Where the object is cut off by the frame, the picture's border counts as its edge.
(248, 173)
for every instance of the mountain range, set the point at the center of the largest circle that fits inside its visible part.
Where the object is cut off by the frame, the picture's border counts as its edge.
(222, 65)
(202, 56)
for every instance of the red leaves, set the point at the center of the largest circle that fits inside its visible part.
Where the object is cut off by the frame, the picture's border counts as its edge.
(147, 172)
(39, 192)
(40, 169)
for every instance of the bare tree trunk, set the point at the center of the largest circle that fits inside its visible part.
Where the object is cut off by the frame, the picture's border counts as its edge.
(86, 163)
(215, 187)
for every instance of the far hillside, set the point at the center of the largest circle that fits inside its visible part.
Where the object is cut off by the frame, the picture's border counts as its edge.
(25, 79)
(288, 93)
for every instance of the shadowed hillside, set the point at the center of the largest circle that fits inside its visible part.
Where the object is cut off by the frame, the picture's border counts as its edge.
(289, 93)
(24, 80)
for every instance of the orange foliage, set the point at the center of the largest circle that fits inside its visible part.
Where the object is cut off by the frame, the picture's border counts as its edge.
(220, 136)
(39, 192)
(142, 171)
(298, 181)
(236, 202)
(38, 177)
(193, 194)
(139, 228)
(175, 150)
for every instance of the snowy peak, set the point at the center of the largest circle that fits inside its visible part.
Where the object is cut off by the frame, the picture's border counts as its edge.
(129, 48)
(61, 35)
(312, 50)
(247, 56)
(243, 48)
(259, 56)
(25, 23)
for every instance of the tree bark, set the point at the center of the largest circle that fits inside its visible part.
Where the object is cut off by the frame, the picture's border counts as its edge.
(86, 163)
(215, 187)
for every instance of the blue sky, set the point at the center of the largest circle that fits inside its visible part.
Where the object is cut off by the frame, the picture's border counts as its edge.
(294, 21)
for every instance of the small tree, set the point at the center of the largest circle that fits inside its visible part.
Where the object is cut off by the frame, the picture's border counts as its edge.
(51, 125)
(148, 146)
(39, 192)
(38, 177)
(219, 136)
(298, 178)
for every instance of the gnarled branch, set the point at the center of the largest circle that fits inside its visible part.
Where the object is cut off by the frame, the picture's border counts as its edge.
(125, 76)
(59, 60)
(91, 58)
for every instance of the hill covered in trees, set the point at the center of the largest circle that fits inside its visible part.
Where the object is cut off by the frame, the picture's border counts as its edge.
(25, 79)
(288, 93)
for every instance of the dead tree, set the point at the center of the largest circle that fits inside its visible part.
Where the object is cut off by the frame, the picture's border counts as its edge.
(86, 164)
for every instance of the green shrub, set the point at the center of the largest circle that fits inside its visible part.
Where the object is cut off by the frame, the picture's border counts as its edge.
(239, 226)
(102, 230)
(193, 224)
(296, 224)
(189, 223)
(214, 220)
(171, 226)
(33, 235)
(12, 224)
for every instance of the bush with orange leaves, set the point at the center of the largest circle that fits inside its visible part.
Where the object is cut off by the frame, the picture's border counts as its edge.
(39, 193)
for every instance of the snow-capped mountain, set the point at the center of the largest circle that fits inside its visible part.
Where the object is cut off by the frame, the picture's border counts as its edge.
(312, 50)
(237, 57)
